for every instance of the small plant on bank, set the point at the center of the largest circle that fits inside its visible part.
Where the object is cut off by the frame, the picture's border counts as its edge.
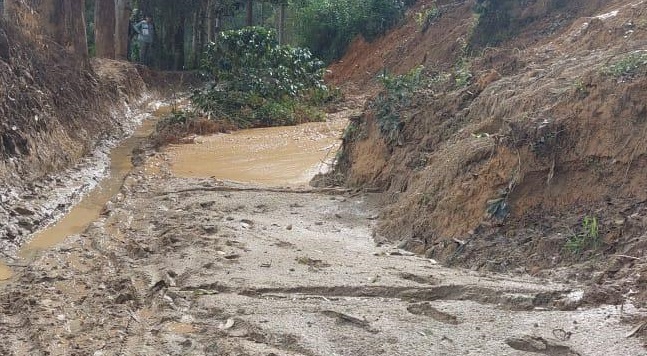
(396, 96)
(257, 82)
(629, 66)
(462, 74)
(588, 237)
(426, 17)
(350, 131)
(580, 88)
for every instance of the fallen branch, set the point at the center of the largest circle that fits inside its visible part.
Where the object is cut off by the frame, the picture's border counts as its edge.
(330, 191)
(637, 329)
(345, 318)
(630, 257)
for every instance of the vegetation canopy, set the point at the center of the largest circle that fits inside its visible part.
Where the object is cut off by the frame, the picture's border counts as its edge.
(254, 81)
(328, 26)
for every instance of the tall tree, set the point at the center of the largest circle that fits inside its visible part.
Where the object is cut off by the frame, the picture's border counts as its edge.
(281, 22)
(250, 13)
(123, 10)
(73, 34)
(104, 28)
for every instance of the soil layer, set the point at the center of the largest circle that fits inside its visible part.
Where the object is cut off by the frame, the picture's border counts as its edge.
(526, 156)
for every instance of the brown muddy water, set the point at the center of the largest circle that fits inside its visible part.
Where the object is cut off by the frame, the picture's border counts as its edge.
(91, 205)
(269, 156)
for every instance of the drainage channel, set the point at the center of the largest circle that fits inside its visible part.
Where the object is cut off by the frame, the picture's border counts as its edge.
(91, 205)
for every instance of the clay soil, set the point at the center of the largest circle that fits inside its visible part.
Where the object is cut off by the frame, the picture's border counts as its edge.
(503, 173)
(186, 266)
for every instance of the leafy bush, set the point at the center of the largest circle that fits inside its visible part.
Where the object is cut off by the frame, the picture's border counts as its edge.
(426, 17)
(630, 65)
(328, 26)
(396, 96)
(257, 82)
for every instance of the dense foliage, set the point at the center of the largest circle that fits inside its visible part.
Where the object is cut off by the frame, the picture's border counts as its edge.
(184, 28)
(257, 82)
(396, 96)
(328, 26)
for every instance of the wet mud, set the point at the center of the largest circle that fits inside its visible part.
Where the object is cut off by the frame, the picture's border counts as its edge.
(270, 156)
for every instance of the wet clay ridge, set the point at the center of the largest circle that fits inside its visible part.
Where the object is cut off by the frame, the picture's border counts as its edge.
(508, 171)
(61, 113)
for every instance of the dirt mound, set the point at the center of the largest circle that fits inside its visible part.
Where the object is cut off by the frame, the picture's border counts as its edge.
(538, 160)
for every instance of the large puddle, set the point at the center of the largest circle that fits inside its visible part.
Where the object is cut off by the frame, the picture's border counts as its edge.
(270, 156)
(90, 207)
(273, 156)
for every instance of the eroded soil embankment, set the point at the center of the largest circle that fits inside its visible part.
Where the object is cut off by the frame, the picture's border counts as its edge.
(508, 171)
(57, 111)
(60, 115)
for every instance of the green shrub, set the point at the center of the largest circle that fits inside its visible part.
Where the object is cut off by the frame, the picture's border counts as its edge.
(588, 237)
(426, 17)
(257, 82)
(462, 74)
(396, 96)
(629, 66)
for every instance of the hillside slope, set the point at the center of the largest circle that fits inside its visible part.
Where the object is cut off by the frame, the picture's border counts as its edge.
(528, 154)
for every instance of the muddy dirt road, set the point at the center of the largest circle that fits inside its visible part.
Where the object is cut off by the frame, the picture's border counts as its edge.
(201, 266)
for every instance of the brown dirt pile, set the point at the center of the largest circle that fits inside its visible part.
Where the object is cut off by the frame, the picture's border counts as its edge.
(504, 171)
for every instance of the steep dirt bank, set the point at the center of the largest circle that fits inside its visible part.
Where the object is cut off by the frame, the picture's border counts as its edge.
(535, 160)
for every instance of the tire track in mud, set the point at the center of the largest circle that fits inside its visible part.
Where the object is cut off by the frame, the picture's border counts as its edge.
(513, 299)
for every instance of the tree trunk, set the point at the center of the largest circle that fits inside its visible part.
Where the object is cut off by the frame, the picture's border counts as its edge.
(250, 13)
(104, 28)
(72, 35)
(195, 28)
(211, 21)
(282, 24)
(122, 21)
(178, 46)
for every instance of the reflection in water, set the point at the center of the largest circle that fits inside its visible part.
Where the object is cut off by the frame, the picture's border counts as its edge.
(271, 156)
